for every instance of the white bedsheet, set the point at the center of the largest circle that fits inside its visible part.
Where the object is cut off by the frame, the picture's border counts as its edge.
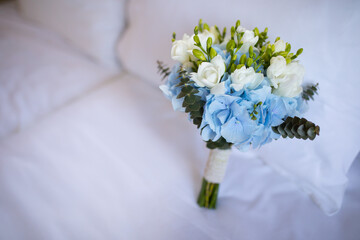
(120, 164)
(39, 71)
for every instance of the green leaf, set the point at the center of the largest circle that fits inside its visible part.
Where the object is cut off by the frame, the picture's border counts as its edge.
(187, 89)
(181, 95)
(190, 99)
(199, 54)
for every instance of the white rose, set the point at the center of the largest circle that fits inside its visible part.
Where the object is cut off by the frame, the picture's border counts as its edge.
(248, 39)
(245, 77)
(286, 79)
(181, 49)
(280, 46)
(209, 73)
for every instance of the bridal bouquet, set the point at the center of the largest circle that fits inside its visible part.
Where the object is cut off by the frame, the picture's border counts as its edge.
(240, 90)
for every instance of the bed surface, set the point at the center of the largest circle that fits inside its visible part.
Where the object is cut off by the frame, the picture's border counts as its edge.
(83, 173)
(104, 157)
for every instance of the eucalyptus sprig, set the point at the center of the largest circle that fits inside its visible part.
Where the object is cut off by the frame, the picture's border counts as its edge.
(309, 91)
(192, 102)
(163, 70)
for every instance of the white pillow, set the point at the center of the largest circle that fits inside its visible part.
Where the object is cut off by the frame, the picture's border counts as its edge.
(38, 72)
(326, 32)
(91, 25)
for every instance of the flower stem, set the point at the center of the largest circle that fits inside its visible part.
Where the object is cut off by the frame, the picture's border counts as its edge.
(208, 194)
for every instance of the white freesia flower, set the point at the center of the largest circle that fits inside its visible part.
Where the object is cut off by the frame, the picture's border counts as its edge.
(248, 39)
(286, 79)
(280, 46)
(215, 33)
(204, 37)
(209, 73)
(276, 69)
(245, 77)
(181, 49)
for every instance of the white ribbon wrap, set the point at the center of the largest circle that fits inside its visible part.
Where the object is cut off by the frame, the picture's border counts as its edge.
(216, 165)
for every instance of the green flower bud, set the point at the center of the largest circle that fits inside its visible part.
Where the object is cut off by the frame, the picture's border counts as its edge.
(213, 53)
(208, 44)
(196, 39)
(249, 62)
(199, 54)
(239, 66)
(299, 51)
(237, 24)
(243, 59)
(206, 27)
(232, 32)
(288, 47)
(230, 46)
(224, 32)
(251, 51)
(196, 30)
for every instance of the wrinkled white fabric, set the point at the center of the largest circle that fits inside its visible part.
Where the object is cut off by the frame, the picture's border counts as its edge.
(108, 165)
(90, 25)
(38, 72)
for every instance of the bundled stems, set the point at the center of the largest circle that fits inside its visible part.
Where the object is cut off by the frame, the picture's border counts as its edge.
(213, 176)
(208, 194)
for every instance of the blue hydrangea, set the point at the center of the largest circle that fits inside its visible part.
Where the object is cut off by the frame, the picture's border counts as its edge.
(228, 115)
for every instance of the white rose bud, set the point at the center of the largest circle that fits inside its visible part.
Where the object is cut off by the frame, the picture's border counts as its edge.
(245, 77)
(280, 46)
(209, 73)
(286, 79)
(181, 49)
